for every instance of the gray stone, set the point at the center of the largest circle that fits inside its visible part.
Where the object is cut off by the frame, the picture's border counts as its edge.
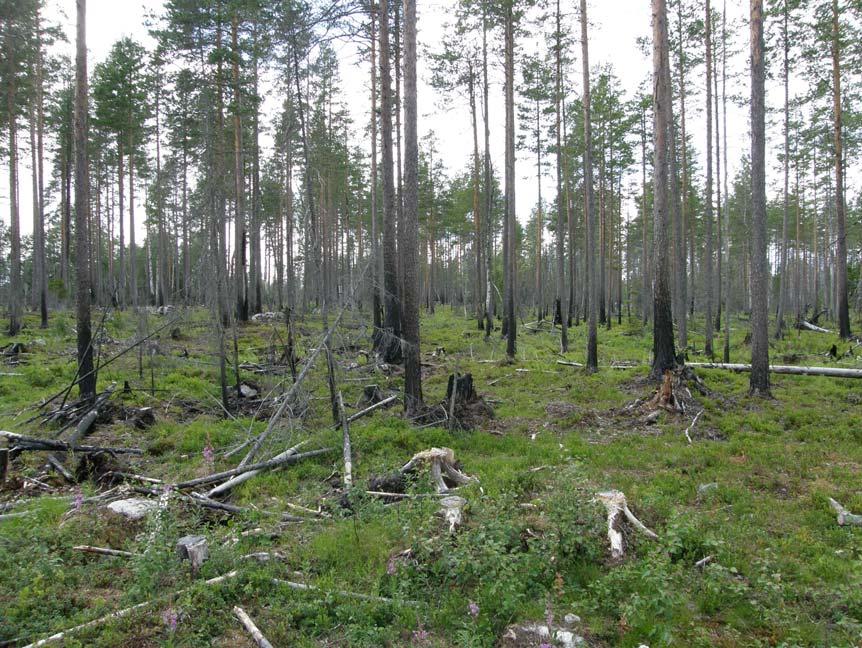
(533, 635)
(703, 489)
(571, 619)
(134, 508)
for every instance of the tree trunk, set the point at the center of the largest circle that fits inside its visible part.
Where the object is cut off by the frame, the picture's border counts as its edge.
(133, 265)
(759, 383)
(410, 228)
(389, 341)
(840, 216)
(488, 242)
(589, 209)
(681, 228)
(239, 189)
(39, 220)
(663, 347)
(561, 307)
(708, 254)
(509, 65)
(15, 285)
(782, 275)
(377, 260)
(87, 377)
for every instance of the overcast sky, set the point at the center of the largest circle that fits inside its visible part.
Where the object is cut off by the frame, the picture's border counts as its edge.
(615, 27)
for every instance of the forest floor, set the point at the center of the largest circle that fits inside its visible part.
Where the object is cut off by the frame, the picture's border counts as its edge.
(750, 491)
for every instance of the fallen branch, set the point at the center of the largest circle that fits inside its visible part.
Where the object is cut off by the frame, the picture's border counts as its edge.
(304, 587)
(369, 410)
(793, 370)
(617, 508)
(23, 443)
(119, 614)
(690, 427)
(346, 450)
(803, 325)
(279, 460)
(245, 476)
(845, 517)
(291, 394)
(105, 551)
(251, 628)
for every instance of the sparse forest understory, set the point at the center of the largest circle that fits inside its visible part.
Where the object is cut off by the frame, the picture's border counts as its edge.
(279, 370)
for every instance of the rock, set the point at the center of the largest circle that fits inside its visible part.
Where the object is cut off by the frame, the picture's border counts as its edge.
(134, 508)
(571, 620)
(703, 489)
(193, 548)
(247, 391)
(533, 635)
(265, 317)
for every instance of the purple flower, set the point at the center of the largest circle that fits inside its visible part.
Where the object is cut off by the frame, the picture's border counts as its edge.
(421, 635)
(166, 490)
(170, 619)
(473, 609)
(79, 500)
(209, 454)
(549, 614)
(545, 644)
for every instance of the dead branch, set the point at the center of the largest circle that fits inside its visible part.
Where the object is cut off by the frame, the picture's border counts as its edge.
(291, 394)
(119, 614)
(105, 551)
(808, 326)
(617, 508)
(690, 427)
(368, 410)
(245, 476)
(793, 370)
(304, 587)
(23, 443)
(346, 450)
(251, 628)
(845, 517)
(279, 460)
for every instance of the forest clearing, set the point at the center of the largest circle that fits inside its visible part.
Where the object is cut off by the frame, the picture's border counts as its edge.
(749, 551)
(473, 323)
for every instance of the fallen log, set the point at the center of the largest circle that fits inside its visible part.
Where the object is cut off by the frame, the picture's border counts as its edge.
(103, 551)
(279, 460)
(345, 442)
(369, 410)
(808, 326)
(291, 394)
(304, 587)
(23, 443)
(119, 614)
(792, 370)
(243, 477)
(251, 628)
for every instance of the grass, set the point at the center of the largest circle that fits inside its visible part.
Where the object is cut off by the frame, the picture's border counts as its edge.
(783, 573)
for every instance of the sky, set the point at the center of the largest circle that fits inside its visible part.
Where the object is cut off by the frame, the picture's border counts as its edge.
(615, 26)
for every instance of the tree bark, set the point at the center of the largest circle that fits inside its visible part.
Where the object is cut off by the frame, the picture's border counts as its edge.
(561, 306)
(708, 212)
(389, 340)
(15, 285)
(87, 383)
(509, 65)
(840, 216)
(759, 382)
(410, 227)
(663, 346)
(589, 208)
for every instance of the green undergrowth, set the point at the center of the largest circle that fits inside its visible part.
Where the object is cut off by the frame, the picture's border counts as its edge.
(751, 492)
